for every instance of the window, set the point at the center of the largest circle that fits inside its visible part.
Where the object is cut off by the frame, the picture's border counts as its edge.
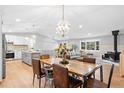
(90, 45)
(93, 45)
(82, 45)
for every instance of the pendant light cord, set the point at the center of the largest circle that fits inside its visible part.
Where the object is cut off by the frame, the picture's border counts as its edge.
(1, 20)
(62, 12)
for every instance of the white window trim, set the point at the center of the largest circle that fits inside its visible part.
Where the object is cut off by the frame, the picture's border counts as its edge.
(89, 41)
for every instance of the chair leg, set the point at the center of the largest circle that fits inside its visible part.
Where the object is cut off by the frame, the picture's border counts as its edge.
(94, 75)
(33, 79)
(45, 82)
(81, 86)
(39, 82)
(52, 84)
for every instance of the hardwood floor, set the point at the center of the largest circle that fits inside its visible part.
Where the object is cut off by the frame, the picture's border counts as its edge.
(117, 81)
(19, 75)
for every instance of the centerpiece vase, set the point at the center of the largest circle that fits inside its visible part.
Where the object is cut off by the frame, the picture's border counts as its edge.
(64, 61)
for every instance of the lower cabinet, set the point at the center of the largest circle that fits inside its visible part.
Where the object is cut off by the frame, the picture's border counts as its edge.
(121, 64)
(18, 54)
(28, 56)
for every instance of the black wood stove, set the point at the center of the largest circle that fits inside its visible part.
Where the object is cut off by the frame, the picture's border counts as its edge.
(114, 56)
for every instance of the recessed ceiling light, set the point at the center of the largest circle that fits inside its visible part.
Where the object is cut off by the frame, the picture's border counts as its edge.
(80, 26)
(10, 31)
(27, 38)
(89, 34)
(18, 20)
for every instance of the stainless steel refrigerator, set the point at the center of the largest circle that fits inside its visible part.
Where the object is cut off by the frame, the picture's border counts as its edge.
(4, 48)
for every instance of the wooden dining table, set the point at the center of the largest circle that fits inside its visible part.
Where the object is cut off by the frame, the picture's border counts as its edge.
(76, 67)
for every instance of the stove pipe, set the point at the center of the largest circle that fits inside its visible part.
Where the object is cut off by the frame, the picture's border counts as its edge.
(115, 34)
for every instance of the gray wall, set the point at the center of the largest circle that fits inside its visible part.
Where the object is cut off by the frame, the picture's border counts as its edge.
(0, 52)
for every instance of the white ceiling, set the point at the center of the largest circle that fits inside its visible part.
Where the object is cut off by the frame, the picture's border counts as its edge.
(96, 20)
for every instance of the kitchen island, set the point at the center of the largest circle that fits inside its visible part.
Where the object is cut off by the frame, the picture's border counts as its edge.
(27, 56)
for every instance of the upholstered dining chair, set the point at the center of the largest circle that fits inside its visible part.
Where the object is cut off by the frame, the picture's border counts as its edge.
(37, 70)
(94, 83)
(62, 78)
(45, 56)
(89, 60)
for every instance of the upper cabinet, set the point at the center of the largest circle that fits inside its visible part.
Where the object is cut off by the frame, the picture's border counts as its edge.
(16, 40)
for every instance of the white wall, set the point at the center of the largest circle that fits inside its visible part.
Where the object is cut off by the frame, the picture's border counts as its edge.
(0, 52)
(44, 43)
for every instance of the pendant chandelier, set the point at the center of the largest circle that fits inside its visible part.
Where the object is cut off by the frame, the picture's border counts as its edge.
(63, 27)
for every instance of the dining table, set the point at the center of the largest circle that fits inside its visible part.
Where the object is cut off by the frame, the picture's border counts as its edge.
(76, 67)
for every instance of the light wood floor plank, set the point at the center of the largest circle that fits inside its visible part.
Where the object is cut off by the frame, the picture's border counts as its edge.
(19, 75)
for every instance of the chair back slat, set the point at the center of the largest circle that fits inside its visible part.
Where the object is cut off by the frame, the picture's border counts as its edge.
(110, 76)
(36, 66)
(60, 76)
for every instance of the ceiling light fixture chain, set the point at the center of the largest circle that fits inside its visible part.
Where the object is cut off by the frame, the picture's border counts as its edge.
(63, 26)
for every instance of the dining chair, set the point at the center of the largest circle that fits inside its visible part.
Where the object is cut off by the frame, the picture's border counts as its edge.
(62, 78)
(45, 56)
(37, 70)
(89, 60)
(94, 83)
(49, 76)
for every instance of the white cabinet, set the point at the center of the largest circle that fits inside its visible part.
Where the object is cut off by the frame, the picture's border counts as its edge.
(121, 64)
(28, 56)
(18, 54)
(20, 41)
(17, 40)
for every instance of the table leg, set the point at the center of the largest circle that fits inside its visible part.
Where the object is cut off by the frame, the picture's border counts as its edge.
(84, 81)
(101, 73)
(42, 65)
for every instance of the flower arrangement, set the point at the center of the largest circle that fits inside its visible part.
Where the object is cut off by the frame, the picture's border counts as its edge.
(62, 51)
